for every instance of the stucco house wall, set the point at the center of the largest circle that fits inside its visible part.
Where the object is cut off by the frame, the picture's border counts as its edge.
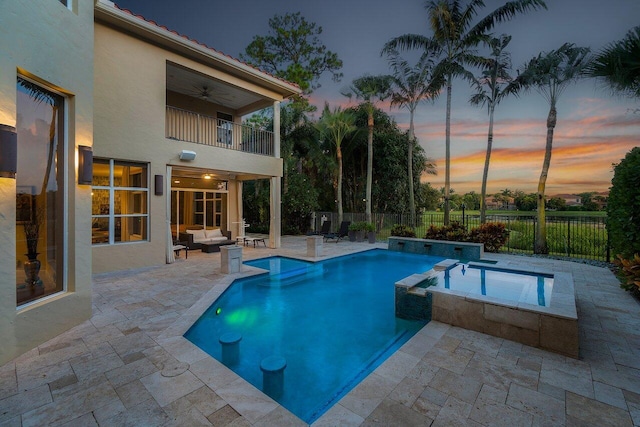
(131, 95)
(52, 45)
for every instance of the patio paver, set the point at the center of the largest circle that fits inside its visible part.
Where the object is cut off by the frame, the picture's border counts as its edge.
(129, 365)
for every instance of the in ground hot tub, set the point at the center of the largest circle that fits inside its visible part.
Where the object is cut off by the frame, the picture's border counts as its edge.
(533, 308)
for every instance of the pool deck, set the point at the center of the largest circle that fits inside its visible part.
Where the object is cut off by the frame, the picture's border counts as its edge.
(129, 364)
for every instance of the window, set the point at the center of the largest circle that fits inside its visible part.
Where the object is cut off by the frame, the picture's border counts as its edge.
(120, 202)
(40, 184)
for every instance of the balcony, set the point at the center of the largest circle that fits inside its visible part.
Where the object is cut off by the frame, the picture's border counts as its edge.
(188, 126)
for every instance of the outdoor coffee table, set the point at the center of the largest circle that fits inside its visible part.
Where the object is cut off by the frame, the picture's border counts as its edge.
(215, 247)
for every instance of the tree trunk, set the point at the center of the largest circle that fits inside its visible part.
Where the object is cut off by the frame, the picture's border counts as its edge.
(53, 128)
(447, 145)
(369, 166)
(485, 173)
(339, 189)
(540, 245)
(412, 201)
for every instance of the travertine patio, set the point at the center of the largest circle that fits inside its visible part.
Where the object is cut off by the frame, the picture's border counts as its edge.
(129, 364)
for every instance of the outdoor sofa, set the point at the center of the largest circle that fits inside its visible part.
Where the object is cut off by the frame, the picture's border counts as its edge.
(213, 237)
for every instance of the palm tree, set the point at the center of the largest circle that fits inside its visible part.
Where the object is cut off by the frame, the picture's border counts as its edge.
(450, 21)
(40, 96)
(550, 74)
(370, 89)
(413, 83)
(335, 126)
(618, 64)
(490, 91)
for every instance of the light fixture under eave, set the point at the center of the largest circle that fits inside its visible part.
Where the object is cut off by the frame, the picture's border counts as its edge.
(187, 155)
(207, 176)
(85, 165)
(8, 151)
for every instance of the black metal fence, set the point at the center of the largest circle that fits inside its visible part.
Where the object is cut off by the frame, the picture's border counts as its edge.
(582, 237)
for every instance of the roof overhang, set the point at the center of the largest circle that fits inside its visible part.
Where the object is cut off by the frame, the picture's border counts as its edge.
(108, 13)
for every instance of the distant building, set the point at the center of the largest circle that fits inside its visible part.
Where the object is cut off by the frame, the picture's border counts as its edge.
(601, 199)
(501, 203)
(569, 199)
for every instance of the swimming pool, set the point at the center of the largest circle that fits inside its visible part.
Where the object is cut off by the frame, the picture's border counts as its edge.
(333, 322)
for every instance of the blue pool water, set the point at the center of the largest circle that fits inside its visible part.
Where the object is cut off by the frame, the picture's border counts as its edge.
(510, 285)
(332, 321)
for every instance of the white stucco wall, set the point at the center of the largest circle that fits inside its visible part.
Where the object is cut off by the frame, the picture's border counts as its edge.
(130, 108)
(54, 46)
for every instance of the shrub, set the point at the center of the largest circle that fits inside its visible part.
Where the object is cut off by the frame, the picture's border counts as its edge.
(298, 204)
(623, 206)
(629, 273)
(493, 234)
(358, 226)
(400, 230)
(454, 231)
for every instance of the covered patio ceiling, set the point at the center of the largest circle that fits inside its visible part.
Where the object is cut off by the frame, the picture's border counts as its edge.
(192, 177)
(206, 88)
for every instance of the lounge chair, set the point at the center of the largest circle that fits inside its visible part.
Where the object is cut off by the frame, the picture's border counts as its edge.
(325, 229)
(342, 232)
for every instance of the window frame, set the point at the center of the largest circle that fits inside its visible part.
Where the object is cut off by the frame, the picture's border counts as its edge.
(111, 215)
(67, 3)
(62, 249)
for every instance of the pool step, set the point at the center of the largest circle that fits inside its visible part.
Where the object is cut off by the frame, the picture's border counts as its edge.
(295, 275)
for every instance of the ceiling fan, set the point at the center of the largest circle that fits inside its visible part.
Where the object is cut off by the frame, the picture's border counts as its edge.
(207, 93)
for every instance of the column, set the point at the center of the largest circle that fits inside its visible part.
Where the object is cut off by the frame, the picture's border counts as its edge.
(276, 212)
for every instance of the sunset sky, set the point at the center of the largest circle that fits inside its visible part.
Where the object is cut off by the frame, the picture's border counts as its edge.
(595, 128)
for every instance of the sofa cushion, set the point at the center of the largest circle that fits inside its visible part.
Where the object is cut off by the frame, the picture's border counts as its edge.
(213, 233)
(215, 239)
(198, 235)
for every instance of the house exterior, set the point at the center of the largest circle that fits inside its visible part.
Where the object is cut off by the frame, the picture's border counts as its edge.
(46, 95)
(162, 98)
(159, 116)
(569, 199)
(500, 203)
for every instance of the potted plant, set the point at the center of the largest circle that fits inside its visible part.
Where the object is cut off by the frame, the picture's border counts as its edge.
(359, 228)
(32, 265)
(370, 229)
(353, 227)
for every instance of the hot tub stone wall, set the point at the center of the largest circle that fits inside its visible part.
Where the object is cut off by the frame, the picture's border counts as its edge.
(553, 328)
(444, 248)
(412, 306)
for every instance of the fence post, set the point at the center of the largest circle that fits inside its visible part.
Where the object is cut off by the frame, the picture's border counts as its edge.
(568, 236)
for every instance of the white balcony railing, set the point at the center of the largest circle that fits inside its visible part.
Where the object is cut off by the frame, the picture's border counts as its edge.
(184, 125)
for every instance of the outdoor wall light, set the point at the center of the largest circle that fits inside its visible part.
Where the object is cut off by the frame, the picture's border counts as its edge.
(85, 165)
(187, 155)
(159, 185)
(8, 151)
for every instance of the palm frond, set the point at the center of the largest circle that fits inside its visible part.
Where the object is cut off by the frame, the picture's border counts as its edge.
(504, 13)
(407, 42)
(618, 64)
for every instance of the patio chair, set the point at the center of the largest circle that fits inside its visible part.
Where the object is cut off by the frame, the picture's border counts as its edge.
(342, 232)
(325, 229)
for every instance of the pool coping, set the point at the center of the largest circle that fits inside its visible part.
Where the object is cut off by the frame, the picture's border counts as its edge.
(355, 406)
(188, 352)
